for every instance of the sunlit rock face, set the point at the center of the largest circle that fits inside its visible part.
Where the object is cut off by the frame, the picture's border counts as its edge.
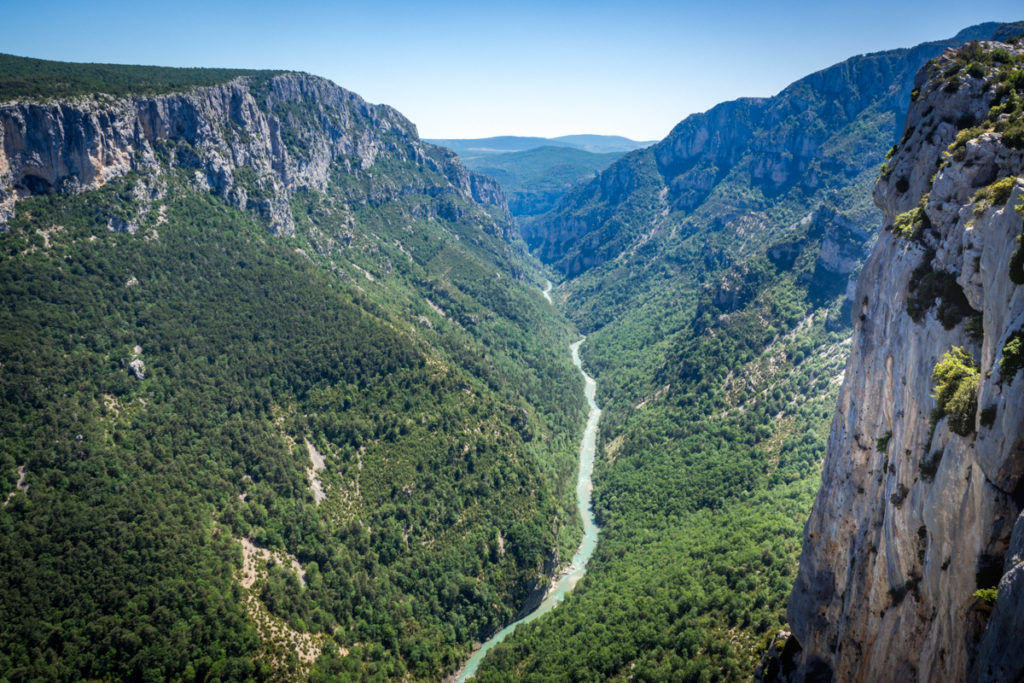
(917, 511)
(291, 131)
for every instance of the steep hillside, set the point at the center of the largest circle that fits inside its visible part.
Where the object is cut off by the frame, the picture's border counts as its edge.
(712, 274)
(917, 521)
(278, 393)
(818, 140)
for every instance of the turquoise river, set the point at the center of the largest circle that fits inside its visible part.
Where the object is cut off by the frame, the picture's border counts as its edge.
(584, 488)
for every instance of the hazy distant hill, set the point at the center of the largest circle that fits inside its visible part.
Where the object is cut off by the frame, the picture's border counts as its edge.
(514, 143)
(534, 180)
(536, 172)
(603, 143)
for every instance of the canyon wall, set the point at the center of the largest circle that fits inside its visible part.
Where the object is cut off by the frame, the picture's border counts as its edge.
(921, 491)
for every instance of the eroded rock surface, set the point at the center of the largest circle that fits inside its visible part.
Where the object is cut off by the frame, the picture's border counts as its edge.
(914, 515)
(289, 132)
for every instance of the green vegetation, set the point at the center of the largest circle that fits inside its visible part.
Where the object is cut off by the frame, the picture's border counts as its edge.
(994, 194)
(988, 416)
(1004, 76)
(714, 425)
(929, 289)
(910, 224)
(26, 78)
(400, 334)
(400, 337)
(716, 330)
(956, 390)
(882, 442)
(534, 180)
(1016, 265)
(709, 469)
(988, 595)
(1013, 356)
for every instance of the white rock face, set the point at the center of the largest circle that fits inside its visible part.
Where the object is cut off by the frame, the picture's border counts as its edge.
(80, 144)
(910, 521)
(137, 368)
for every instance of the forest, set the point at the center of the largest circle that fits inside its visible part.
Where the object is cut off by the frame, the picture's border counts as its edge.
(162, 386)
(348, 452)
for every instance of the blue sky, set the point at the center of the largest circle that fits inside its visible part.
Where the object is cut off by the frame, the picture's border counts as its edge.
(474, 69)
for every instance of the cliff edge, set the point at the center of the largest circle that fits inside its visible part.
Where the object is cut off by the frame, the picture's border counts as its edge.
(918, 518)
(289, 131)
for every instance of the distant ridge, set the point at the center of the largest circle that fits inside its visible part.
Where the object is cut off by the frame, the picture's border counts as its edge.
(514, 143)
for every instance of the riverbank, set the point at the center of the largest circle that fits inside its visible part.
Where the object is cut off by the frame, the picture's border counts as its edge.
(570, 576)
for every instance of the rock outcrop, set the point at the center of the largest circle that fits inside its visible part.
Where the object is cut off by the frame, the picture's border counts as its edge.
(921, 494)
(290, 130)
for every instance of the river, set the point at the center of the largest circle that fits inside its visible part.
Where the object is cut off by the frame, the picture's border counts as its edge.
(571, 575)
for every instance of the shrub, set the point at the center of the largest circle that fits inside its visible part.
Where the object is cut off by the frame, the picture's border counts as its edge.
(1013, 135)
(910, 224)
(988, 416)
(1017, 260)
(882, 442)
(975, 327)
(929, 464)
(989, 595)
(928, 287)
(1001, 56)
(1013, 356)
(1016, 80)
(996, 194)
(956, 389)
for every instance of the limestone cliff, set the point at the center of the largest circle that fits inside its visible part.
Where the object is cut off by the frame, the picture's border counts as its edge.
(290, 130)
(921, 493)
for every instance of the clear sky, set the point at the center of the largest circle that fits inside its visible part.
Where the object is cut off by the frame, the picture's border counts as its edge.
(474, 69)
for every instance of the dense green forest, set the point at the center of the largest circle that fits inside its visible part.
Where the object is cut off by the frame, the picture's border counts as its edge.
(27, 78)
(164, 385)
(348, 453)
(707, 477)
(713, 298)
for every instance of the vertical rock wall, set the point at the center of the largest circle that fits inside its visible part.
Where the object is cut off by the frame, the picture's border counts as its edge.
(291, 132)
(916, 511)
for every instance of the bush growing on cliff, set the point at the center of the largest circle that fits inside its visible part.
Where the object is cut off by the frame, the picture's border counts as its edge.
(929, 289)
(989, 595)
(995, 194)
(956, 389)
(910, 224)
(1013, 356)
(882, 442)
(1017, 260)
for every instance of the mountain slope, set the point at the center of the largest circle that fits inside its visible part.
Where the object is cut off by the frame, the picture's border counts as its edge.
(921, 493)
(280, 395)
(710, 273)
(818, 137)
